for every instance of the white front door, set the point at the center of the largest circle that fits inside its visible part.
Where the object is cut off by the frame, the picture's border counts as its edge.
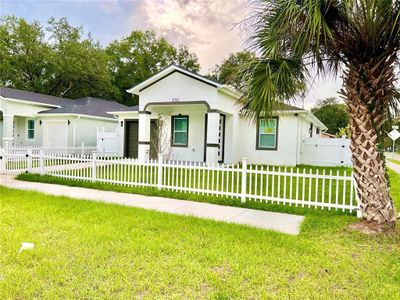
(55, 134)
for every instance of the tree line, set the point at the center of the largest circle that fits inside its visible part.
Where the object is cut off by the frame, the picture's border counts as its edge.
(61, 60)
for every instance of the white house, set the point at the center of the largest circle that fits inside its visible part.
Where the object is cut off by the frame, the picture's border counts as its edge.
(32, 119)
(204, 123)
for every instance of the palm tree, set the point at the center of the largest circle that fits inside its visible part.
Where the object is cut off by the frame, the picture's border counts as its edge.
(361, 38)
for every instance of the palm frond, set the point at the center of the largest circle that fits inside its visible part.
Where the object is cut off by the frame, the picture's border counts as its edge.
(272, 82)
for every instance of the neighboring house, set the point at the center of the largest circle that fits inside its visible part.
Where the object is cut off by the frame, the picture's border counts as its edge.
(204, 123)
(32, 119)
(328, 135)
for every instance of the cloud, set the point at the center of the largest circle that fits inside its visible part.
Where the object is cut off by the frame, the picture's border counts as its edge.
(206, 26)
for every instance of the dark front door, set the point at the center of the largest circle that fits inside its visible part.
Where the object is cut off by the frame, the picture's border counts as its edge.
(131, 139)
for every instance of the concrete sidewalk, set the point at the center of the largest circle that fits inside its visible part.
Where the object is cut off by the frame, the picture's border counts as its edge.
(393, 166)
(281, 222)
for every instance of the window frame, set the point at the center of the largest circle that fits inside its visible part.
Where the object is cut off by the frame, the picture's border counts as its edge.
(27, 130)
(173, 131)
(258, 147)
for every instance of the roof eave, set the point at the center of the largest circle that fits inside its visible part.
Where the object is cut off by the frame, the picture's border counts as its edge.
(137, 88)
(122, 112)
(74, 115)
(31, 102)
(315, 120)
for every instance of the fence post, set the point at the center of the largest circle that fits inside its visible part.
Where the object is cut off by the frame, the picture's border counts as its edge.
(41, 161)
(83, 148)
(244, 179)
(359, 212)
(94, 168)
(29, 160)
(159, 171)
(2, 160)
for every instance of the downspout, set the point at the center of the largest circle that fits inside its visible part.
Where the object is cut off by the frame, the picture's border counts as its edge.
(74, 132)
(299, 139)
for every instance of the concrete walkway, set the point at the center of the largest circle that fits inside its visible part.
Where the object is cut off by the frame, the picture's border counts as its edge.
(393, 166)
(281, 222)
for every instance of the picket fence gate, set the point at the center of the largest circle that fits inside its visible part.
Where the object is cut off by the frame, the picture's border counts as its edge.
(272, 184)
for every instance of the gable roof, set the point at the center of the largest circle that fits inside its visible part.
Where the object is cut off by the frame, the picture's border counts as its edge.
(176, 69)
(33, 97)
(88, 106)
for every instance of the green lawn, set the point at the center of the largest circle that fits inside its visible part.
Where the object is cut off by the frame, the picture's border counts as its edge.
(176, 182)
(93, 250)
(395, 161)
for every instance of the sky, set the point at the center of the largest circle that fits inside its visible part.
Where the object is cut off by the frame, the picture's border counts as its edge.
(210, 28)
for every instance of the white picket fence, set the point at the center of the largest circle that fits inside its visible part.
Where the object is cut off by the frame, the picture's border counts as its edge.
(280, 185)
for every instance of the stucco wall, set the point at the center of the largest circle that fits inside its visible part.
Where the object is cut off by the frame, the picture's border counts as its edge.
(195, 149)
(21, 109)
(177, 87)
(86, 130)
(287, 143)
(21, 132)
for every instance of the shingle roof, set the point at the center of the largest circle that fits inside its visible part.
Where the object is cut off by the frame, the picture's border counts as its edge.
(89, 106)
(85, 106)
(286, 107)
(33, 97)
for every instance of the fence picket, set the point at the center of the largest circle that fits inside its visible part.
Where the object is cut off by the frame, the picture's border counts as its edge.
(254, 182)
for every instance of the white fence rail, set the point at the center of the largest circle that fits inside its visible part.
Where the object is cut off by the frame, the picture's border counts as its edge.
(281, 185)
(326, 152)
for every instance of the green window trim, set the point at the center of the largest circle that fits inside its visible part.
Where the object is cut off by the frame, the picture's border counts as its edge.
(267, 133)
(180, 131)
(30, 129)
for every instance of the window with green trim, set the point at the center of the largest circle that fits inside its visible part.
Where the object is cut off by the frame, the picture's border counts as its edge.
(267, 134)
(180, 131)
(31, 129)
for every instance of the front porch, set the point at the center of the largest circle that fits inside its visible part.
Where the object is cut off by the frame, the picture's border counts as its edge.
(189, 131)
(6, 129)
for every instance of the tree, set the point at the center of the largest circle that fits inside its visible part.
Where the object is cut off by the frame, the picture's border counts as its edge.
(25, 57)
(362, 37)
(160, 141)
(80, 64)
(228, 72)
(140, 55)
(332, 114)
(65, 64)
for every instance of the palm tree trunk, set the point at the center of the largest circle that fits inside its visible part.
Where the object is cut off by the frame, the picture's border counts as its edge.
(367, 99)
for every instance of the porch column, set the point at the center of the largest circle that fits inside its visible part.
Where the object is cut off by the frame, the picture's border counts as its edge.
(8, 130)
(144, 136)
(212, 143)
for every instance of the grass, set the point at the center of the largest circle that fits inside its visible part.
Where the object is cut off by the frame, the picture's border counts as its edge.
(269, 186)
(395, 161)
(149, 191)
(95, 250)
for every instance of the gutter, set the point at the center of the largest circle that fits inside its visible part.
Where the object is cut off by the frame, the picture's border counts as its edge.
(74, 132)
(75, 115)
(32, 102)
